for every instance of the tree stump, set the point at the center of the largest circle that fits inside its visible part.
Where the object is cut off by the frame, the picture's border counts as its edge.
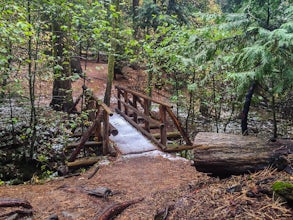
(226, 154)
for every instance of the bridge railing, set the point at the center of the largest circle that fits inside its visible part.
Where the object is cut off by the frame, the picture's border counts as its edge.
(135, 107)
(99, 114)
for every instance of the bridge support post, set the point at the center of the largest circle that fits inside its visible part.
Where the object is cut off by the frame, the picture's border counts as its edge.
(146, 107)
(106, 128)
(126, 101)
(135, 106)
(119, 98)
(163, 129)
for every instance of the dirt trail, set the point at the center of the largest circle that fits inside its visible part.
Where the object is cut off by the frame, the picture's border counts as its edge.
(129, 178)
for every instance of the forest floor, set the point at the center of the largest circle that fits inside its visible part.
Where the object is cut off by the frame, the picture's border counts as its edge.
(163, 187)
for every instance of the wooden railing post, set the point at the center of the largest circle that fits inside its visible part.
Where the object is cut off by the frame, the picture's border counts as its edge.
(119, 98)
(126, 101)
(179, 126)
(106, 128)
(163, 130)
(147, 113)
(98, 129)
(135, 106)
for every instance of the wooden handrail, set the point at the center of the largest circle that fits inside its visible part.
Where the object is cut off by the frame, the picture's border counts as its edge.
(145, 117)
(143, 96)
(128, 99)
(102, 116)
(98, 101)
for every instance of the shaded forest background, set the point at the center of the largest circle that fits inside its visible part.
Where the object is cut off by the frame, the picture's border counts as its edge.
(214, 58)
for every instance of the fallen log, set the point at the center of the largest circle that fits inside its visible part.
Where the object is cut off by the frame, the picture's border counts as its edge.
(226, 154)
(170, 135)
(86, 144)
(178, 148)
(116, 209)
(84, 162)
(10, 202)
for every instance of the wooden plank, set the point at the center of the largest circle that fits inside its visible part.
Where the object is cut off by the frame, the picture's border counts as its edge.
(129, 140)
(144, 132)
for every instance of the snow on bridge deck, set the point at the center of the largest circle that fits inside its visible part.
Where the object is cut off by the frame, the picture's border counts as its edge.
(129, 140)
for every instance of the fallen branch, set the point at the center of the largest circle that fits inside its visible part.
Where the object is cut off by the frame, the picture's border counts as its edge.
(18, 212)
(94, 173)
(8, 202)
(116, 209)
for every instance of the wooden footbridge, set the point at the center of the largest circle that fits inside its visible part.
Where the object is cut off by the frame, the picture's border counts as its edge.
(135, 129)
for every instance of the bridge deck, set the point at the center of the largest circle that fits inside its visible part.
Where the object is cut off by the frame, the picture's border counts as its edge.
(129, 140)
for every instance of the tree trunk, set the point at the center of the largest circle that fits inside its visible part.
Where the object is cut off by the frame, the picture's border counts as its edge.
(275, 131)
(111, 63)
(226, 154)
(31, 78)
(245, 110)
(135, 4)
(111, 58)
(171, 6)
(75, 66)
(62, 90)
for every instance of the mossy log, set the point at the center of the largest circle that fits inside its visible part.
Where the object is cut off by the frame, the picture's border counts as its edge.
(225, 154)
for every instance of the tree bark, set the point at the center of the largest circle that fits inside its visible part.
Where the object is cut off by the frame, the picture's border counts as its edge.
(226, 154)
(111, 59)
(111, 63)
(244, 116)
(62, 91)
(135, 4)
(84, 162)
